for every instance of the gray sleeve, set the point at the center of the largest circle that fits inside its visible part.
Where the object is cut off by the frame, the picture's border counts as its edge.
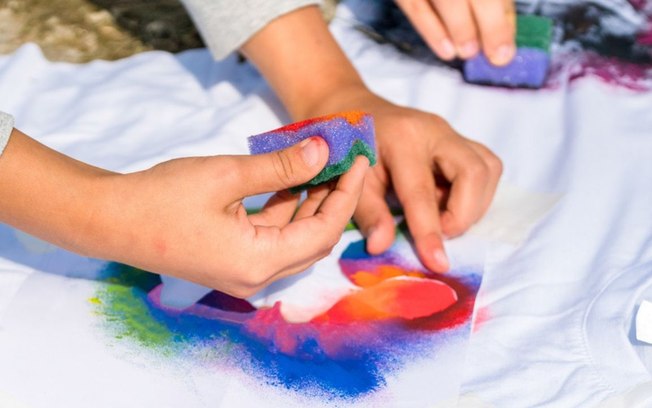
(227, 24)
(6, 126)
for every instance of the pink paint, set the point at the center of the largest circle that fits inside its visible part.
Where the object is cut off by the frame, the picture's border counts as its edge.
(482, 315)
(645, 37)
(571, 67)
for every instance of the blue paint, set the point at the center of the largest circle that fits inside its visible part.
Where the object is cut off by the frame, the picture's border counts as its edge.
(309, 371)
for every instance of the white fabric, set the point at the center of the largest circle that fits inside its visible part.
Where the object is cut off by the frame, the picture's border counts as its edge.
(554, 316)
(644, 322)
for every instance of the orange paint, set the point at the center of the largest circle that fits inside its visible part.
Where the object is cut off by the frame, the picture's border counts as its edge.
(369, 278)
(353, 117)
(401, 298)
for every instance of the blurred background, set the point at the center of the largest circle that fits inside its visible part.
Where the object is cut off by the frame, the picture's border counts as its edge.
(83, 30)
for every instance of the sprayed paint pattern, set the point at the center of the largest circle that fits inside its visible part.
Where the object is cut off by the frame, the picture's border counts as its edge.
(398, 313)
(612, 44)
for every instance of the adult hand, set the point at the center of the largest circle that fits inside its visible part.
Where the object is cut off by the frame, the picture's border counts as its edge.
(462, 27)
(444, 181)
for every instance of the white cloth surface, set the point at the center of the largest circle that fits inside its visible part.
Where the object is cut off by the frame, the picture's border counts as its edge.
(554, 316)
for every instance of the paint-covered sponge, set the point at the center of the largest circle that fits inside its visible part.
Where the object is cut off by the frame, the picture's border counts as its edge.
(348, 134)
(530, 65)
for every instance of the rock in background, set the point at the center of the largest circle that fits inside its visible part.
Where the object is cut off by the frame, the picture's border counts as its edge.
(83, 30)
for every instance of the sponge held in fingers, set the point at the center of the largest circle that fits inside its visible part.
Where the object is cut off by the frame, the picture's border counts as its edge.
(348, 135)
(529, 67)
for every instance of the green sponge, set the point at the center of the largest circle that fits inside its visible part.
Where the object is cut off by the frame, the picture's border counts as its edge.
(533, 32)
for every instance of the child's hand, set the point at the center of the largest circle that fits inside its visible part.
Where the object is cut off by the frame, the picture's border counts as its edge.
(444, 182)
(185, 217)
(462, 27)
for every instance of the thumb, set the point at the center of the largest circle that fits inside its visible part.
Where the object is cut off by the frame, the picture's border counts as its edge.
(282, 169)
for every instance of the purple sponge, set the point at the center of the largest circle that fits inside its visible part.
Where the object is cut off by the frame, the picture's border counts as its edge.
(529, 68)
(348, 134)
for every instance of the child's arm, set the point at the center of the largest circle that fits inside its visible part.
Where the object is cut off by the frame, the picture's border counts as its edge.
(312, 76)
(183, 217)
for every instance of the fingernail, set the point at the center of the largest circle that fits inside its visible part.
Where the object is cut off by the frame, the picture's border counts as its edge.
(503, 54)
(310, 151)
(441, 259)
(468, 49)
(447, 49)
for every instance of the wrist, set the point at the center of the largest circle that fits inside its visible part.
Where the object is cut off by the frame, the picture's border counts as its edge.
(99, 226)
(343, 98)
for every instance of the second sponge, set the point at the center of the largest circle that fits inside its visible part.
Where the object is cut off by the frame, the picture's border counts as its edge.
(348, 134)
(530, 65)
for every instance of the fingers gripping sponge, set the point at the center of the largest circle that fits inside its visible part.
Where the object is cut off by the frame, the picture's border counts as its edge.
(529, 67)
(348, 134)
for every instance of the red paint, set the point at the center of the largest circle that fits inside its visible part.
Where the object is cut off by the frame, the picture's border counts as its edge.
(396, 298)
(353, 117)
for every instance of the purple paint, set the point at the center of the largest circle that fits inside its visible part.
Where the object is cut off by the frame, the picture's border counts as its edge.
(340, 131)
(529, 68)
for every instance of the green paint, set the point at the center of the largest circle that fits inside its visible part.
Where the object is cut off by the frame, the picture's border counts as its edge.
(328, 173)
(122, 301)
(533, 32)
(128, 316)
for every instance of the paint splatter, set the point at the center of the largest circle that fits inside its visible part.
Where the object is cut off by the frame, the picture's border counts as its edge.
(345, 353)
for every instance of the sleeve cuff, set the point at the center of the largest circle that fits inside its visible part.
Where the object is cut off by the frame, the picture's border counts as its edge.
(6, 126)
(225, 25)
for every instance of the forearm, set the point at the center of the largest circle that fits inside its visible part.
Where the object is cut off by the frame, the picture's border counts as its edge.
(50, 195)
(301, 61)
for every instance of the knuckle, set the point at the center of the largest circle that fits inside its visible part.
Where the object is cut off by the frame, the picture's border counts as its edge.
(330, 239)
(283, 168)
(330, 244)
(494, 164)
(327, 250)
(477, 171)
